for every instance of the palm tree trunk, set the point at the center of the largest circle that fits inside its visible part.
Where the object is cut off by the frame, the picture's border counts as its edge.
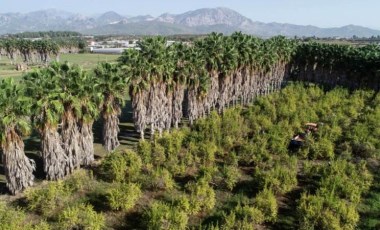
(18, 168)
(70, 139)
(110, 131)
(53, 155)
(86, 142)
(178, 97)
(140, 111)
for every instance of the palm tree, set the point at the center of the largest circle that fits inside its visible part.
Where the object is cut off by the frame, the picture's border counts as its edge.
(134, 68)
(14, 124)
(10, 47)
(25, 48)
(227, 70)
(90, 100)
(198, 84)
(180, 75)
(212, 48)
(71, 83)
(44, 87)
(113, 86)
(153, 50)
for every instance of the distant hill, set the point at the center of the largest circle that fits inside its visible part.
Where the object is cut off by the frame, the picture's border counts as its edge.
(200, 21)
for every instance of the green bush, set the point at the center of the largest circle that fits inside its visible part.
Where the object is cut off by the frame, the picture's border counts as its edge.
(161, 179)
(144, 149)
(123, 196)
(281, 177)
(81, 217)
(48, 199)
(121, 166)
(206, 152)
(202, 196)
(134, 164)
(322, 149)
(231, 175)
(80, 180)
(158, 154)
(182, 202)
(318, 212)
(162, 216)
(11, 218)
(172, 142)
(114, 167)
(345, 180)
(266, 202)
(242, 217)
(43, 225)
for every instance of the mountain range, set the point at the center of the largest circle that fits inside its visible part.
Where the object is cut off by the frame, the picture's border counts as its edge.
(199, 21)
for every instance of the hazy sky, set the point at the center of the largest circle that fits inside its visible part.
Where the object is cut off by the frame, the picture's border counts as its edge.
(324, 13)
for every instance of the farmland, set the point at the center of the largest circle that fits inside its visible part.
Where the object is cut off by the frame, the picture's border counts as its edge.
(217, 123)
(86, 60)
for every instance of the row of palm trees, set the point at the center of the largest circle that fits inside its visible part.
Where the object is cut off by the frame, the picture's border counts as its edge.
(334, 64)
(165, 83)
(39, 51)
(213, 73)
(61, 102)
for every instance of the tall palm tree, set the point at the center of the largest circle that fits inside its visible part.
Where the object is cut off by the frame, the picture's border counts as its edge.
(71, 83)
(90, 99)
(198, 84)
(180, 75)
(44, 87)
(134, 68)
(10, 47)
(227, 70)
(212, 48)
(112, 85)
(25, 48)
(14, 124)
(158, 70)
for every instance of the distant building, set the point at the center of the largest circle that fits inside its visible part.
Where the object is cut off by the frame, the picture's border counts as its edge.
(108, 50)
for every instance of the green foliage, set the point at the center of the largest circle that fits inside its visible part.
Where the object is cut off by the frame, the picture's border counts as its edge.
(231, 175)
(158, 154)
(161, 179)
(123, 196)
(114, 167)
(318, 212)
(80, 180)
(11, 218)
(202, 196)
(242, 217)
(43, 225)
(81, 216)
(48, 199)
(121, 166)
(172, 142)
(281, 177)
(233, 128)
(163, 216)
(345, 180)
(206, 152)
(322, 149)
(134, 164)
(144, 149)
(266, 202)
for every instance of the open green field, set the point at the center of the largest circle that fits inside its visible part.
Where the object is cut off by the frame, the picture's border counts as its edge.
(86, 60)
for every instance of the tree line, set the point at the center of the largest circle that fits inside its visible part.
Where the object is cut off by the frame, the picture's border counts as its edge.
(37, 51)
(45, 34)
(166, 84)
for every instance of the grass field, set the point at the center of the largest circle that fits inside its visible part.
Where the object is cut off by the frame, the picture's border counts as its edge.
(87, 61)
